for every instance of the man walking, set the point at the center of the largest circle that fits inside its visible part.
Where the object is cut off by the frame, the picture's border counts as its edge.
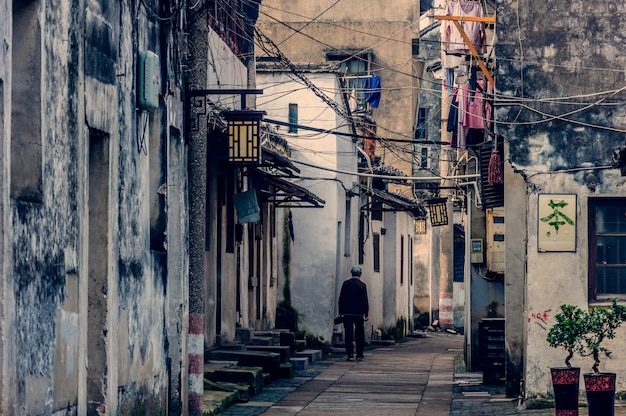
(354, 307)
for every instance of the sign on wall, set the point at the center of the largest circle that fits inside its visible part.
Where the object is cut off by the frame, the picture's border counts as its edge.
(556, 222)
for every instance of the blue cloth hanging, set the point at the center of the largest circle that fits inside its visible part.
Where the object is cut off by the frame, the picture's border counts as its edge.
(372, 90)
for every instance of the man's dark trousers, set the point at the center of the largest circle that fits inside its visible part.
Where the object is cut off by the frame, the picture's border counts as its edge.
(353, 326)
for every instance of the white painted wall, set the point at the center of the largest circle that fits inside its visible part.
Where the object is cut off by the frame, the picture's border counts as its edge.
(318, 257)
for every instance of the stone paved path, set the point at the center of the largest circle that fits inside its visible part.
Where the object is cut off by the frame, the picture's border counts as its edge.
(412, 378)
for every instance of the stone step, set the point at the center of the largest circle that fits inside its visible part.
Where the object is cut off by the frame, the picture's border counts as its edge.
(312, 355)
(300, 363)
(251, 376)
(283, 350)
(300, 344)
(215, 401)
(269, 361)
(255, 340)
(289, 339)
(286, 370)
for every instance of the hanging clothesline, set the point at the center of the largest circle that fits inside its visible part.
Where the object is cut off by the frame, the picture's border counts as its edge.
(468, 42)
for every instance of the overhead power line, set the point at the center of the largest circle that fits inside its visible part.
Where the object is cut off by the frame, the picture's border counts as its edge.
(358, 136)
(272, 49)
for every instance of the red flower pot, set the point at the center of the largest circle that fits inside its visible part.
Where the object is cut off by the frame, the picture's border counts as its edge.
(600, 389)
(565, 382)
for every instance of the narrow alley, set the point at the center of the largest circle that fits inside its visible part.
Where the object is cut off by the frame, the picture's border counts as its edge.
(421, 376)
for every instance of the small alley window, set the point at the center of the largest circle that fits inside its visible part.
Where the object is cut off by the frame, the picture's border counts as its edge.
(421, 131)
(607, 249)
(293, 118)
(376, 247)
(355, 72)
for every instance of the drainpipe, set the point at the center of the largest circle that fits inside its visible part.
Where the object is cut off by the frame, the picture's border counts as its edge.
(468, 281)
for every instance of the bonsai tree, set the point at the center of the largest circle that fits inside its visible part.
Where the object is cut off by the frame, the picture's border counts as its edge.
(584, 332)
(601, 325)
(569, 330)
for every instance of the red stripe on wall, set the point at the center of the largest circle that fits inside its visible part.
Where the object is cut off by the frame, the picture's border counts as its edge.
(196, 323)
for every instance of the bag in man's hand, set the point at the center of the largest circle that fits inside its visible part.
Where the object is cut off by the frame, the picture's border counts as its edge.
(338, 320)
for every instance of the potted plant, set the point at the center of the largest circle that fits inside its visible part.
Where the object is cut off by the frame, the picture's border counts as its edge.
(600, 386)
(567, 332)
(584, 333)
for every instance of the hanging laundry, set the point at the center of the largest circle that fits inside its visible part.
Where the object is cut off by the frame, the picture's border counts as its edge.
(452, 40)
(474, 115)
(372, 90)
(453, 119)
(449, 79)
(462, 99)
(352, 100)
(473, 81)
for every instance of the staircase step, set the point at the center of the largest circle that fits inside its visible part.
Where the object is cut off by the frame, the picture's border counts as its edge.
(300, 363)
(251, 376)
(286, 370)
(289, 339)
(269, 361)
(261, 341)
(283, 350)
(215, 401)
(300, 344)
(312, 355)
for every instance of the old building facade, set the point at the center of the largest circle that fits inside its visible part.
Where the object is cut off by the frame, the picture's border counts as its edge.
(560, 86)
(94, 228)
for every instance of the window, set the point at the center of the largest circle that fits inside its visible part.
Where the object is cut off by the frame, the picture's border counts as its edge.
(607, 248)
(293, 118)
(377, 209)
(424, 158)
(355, 69)
(362, 224)
(348, 231)
(376, 243)
(401, 259)
(421, 131)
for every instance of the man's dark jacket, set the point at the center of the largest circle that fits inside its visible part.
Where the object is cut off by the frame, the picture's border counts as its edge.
(353, 298)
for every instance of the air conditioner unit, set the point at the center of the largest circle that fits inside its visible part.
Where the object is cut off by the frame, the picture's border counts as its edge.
(148, 81)
(495, 240)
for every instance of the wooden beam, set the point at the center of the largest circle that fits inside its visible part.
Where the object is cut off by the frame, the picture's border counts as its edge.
(468, 42)
(467, 18)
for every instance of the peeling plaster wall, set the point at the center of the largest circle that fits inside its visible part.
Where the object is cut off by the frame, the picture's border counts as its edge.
(88, 78)
(7, 314)
(571, 50)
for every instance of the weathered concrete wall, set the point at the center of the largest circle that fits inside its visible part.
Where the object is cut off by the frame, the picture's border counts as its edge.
(89, 293)
(562, 64)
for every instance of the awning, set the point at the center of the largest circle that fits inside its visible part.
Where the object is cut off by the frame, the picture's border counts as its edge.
(285, 194)
(273, 159)
(384, 201)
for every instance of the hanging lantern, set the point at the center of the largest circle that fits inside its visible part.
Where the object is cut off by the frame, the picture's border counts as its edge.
(244, 136)
(438, 211)
(420, 226)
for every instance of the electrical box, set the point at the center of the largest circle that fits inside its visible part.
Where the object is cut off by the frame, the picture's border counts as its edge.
(149, 81)
(495, 240)
(477, 251)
